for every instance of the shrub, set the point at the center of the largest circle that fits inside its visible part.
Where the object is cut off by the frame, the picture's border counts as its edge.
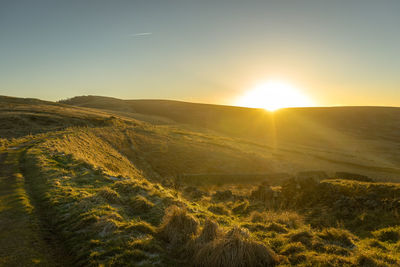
(177, 226)
(233, 250)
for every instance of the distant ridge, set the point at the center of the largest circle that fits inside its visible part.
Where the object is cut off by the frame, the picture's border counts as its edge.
(290, 124)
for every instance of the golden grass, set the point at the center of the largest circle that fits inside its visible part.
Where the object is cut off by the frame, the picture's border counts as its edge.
(101, 189)
(235, 248)
(178, 226)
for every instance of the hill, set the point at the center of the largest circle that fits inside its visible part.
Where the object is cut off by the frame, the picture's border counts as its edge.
(358, 139)
(82, 186)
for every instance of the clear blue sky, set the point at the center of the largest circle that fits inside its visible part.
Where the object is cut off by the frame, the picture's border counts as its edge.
(339, 52)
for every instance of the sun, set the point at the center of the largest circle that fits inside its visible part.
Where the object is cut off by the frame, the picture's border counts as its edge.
(273, 95)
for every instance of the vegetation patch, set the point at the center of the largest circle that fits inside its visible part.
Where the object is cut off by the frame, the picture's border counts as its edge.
(235, 249)
(178, 226)
(389, 234)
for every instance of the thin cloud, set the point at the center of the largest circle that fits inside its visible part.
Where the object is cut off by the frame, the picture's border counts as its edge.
(140, 34)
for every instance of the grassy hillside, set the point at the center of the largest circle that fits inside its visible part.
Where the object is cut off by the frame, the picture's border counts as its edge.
(101, 188)
(352, 139)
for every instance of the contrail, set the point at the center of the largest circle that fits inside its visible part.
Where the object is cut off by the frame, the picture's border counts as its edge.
(140, 34)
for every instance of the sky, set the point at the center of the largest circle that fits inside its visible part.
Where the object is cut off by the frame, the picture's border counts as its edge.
(342, 52)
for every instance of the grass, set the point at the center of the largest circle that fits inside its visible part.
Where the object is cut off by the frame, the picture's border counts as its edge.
(102, 192)
(235, 248)
(21, 237)
(134, 219)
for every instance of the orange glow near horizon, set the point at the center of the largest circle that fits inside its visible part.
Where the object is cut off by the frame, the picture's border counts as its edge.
(274, 95)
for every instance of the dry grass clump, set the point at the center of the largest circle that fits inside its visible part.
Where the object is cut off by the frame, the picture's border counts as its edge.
(271, 227)
(223, 195)
(235, 249)
(109, 195)
(241, 208)
(376, 244)
(106, 225)
(389, 234)
(209, 232)
(276, 227)
(302, 236)
(257, 217)
(219, 209)
(365, 260)
(286, 218)
(177, 226)
(128, 187)
(340, 237)
(289, 218)
(140, 204)
(146, 244)
(293, 248)
(141, 227)
(3, 143)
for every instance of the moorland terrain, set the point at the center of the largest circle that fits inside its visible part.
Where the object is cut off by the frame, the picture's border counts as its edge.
(102, 181)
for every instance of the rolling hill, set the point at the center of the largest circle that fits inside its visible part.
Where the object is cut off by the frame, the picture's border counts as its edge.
(95, 181)
(358, 139)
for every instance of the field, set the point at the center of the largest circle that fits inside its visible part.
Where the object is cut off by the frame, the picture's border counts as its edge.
(95, 181)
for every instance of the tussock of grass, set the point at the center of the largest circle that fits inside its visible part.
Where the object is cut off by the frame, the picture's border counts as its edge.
(177, 226)
(288, 218)
(235, 248)
(106, 226)
(209, 232)
(141, 227)
(338, 237)
(219, 209)
(367, 261)
(302, 236)
(109, 195)
(147, 244)
(389, 234)
(271, 227)
(140, 204)
(257, 217)
(128, 187)
(223, 195)
(293, 248)
(241, 208)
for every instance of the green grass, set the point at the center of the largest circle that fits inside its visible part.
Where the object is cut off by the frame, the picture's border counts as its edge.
(21, 235)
